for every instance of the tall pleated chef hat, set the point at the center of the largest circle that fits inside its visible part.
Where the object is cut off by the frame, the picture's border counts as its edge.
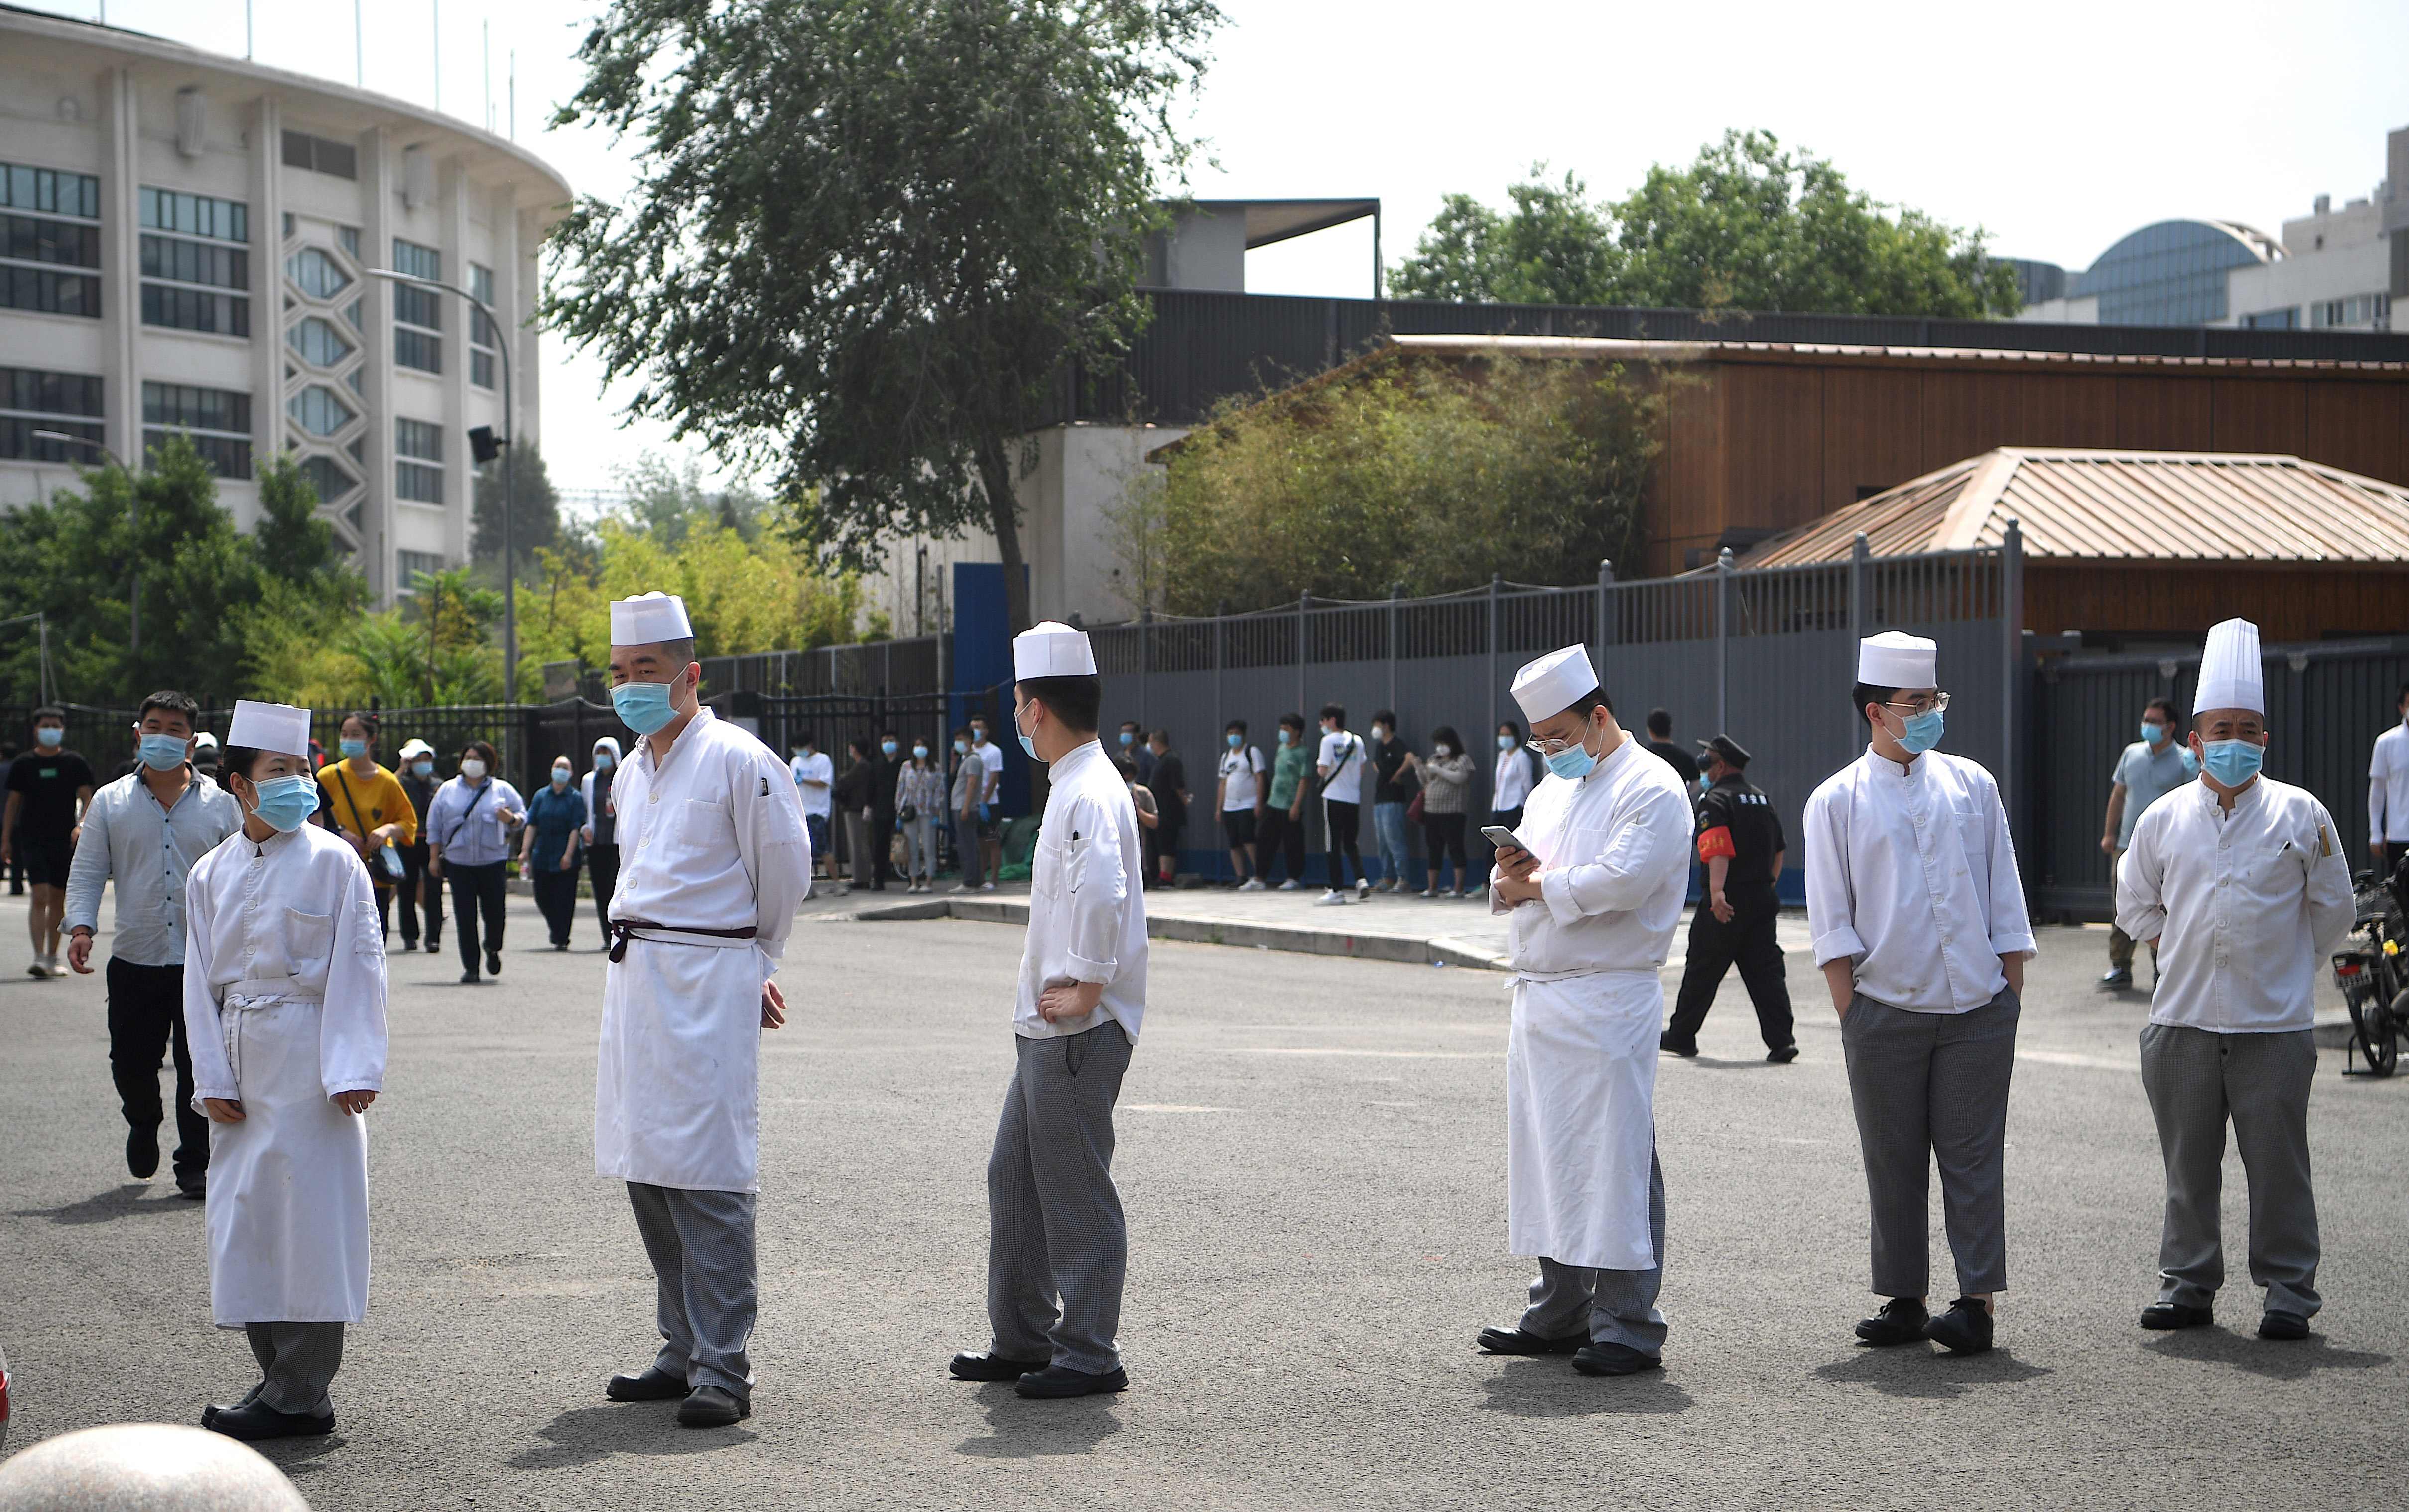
(1554, 683)
(1895, 659)
(1050, 648)
(649, 619)
(270, 726)
(2230, 676)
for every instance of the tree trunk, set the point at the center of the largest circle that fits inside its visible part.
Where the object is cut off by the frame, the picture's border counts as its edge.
(1004, 512)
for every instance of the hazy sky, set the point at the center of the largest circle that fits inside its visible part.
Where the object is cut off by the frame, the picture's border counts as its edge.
(2057, 128)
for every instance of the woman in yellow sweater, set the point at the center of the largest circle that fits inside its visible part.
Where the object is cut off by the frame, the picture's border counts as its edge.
(365, 803)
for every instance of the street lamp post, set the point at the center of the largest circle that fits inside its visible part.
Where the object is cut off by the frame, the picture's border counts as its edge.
(133, 601)
(509, 484)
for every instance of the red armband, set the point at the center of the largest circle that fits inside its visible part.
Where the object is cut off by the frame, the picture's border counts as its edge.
(1715, 842)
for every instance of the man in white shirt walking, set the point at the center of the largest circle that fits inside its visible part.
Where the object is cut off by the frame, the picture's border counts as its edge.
(2241, 880)
(2387, 789)
(1241, 804)
(1591, 910)
(1056, 1228)
(714, 859)
(1918, 917)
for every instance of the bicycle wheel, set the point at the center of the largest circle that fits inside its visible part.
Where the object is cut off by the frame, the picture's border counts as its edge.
(2371, 1026)
(2386, 1023)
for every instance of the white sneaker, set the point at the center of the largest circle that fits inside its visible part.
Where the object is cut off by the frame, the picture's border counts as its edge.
(38, 967)
(964, 886)
(1331, 898)
(987, 887)
(1363, 888)
(1253, 884)
(1291, 885)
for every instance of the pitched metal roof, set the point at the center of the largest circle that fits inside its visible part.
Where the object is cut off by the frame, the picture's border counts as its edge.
(2158, 506)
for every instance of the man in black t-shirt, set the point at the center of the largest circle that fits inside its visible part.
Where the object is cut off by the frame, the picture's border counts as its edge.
(49, 787)
(1659, 739)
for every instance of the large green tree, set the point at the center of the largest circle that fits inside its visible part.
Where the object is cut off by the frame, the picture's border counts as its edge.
(1750, 225)
(866, 237)
(535, 507)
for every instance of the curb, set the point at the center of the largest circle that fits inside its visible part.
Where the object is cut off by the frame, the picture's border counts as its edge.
(1410, 949)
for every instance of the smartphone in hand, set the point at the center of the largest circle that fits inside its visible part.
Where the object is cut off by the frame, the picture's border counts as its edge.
(1501, 837)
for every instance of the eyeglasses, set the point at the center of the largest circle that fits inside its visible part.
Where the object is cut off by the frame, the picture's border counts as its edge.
(1551, 746)
(1932, 705)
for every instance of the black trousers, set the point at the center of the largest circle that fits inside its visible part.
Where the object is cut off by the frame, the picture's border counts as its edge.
(477, 890)
(602, 871)
(416, 895)
(1443, 837)
(555, 897)
(1343, 819)
(146, 1020)
(882, 849)
(1280, 834)
(1747, 940)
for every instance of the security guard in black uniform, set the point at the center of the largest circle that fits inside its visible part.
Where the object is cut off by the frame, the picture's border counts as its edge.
(1739, 839)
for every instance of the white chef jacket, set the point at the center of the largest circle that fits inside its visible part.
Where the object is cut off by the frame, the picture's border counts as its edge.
(712, 838)
(2246, 907)
(2387, 789)
(1086, 909)
(1614, 866)
(1911, 871)
(1511, 788)
(149, 852)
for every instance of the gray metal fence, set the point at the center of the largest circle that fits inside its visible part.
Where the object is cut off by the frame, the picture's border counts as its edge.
(1766, 656)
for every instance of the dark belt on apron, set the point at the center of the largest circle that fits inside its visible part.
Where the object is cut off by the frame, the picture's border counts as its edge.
(623, 930)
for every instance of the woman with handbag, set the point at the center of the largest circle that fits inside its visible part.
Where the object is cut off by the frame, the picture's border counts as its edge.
(548, 851)
(369, 809)
(919, 797)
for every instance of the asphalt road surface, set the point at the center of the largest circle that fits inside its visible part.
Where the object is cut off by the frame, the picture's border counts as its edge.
(1312, 1153)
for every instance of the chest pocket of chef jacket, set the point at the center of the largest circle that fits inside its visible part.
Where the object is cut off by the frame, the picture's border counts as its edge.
(1973, 826)
(308, 939)
(699, 828)
(1054, 868)
(2278, 875)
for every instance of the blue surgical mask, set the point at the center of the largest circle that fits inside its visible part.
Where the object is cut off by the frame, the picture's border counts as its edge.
(921, 751)
(1705, 784)
(422, 769)
(1026, 743)
(2234, 762)
(2191, 762)
(162, 753)
(1572, 763)
(286, 802)
(887, 748)
(605, 762)
(1287, 736)
(351, 748)
(1504, 742)
(2153, 732)
(1923, 732)
(644, 707)
(1235, 740)
(962, 748)
(1128, 735)
(560, 776)
(49, 735)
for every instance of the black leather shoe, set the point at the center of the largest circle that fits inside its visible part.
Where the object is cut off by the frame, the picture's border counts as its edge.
(1613, 1359)
(142, 1152)
(469, 978)
(1965, 1329)
(1901, 1320)
(2174, 1315)
(1686, 1049)
(195, 1190)
(1782, 1055)
(1515, 1341)
(433, 945)
(493, 963)
(256, 1419)
(712, 1407)
(209, 1413)
(2275, 1325)
(979, 1365)
(1061, 1381)
(650, 1384)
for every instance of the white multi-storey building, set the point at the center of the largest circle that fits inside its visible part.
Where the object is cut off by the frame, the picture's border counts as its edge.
(185, 241)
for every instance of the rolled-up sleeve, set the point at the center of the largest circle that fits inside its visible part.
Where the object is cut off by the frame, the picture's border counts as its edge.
(89, 871)
(1632, 868)
(1096, 883)
(1831, 902)
(2141, 880)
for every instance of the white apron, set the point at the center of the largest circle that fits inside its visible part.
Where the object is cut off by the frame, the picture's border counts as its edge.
(1581, 1117)
(677, 1085)
(288, 1203)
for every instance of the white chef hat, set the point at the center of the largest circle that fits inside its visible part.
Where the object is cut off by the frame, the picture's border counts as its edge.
(1895, 659)
(649, 619)
(2230, 676)
(1050, 648)
(1554, 683)
(270, 726)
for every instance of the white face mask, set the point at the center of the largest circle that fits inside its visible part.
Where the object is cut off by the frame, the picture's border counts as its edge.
(474, 770)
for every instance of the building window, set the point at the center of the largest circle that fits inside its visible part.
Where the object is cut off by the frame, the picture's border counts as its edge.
(327, 478)
(182, 272)
(2274, 320)
(317, 410)
(319, 275)
(218, 421)
(2358, 309)
(54, 225)
(410, 566)
(196, 215)
(319, 155)
(419, 473)
(482, 340)
(417, 313)
(411, 260)
(32, 400)
(318, 342)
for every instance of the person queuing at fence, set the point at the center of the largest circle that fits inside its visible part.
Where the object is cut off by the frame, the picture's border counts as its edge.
(1589, 910)
(469, 827)
(366, 804)
(964, 800)
(15, 861)
(857, 795)
(1056, 1228)
(1344, 770)
(814, 783)
(1170, 785)
(555, 825)
(2241, 880)
(920, 800)
(1394, 783)
(1132, 743)
(1660, 741)
(284, 1006)
(1740, 840)
(2146, 772)
(1919, 926)
(48, 788)
(990, 797)
(419, 893)
(1241, 805)
(1516, 773)
(885, 809)
(145, 832)
(718, 860)
(1141, 796)
(2387, 789)
(1445, 797)
(1281, 833)
(601, 832)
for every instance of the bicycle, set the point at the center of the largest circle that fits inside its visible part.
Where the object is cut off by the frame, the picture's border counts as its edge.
(2375, 978)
